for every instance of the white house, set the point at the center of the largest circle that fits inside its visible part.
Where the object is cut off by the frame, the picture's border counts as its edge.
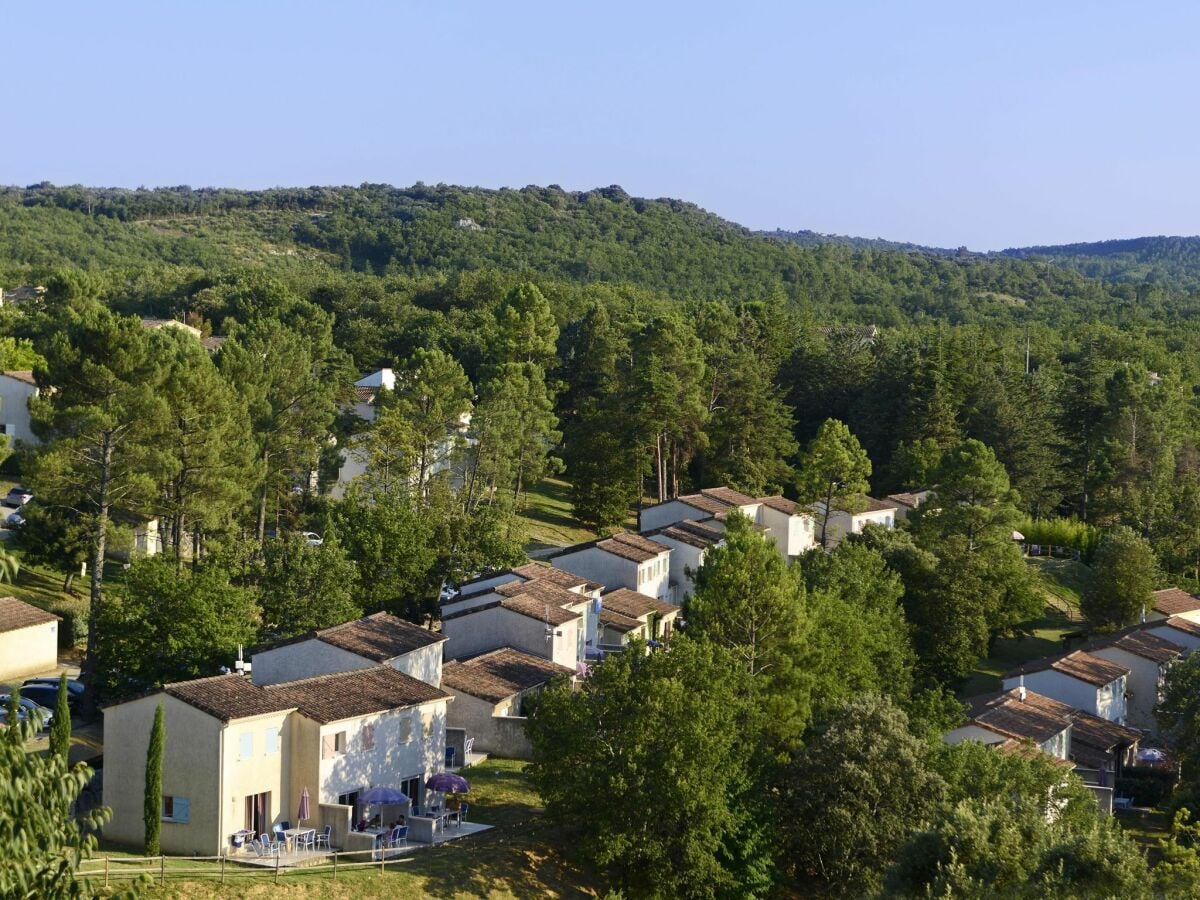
(689, 541)
(238, 755)
(1177, 630)
(1147, 656)
(626, 614)
(1078, 679)
(1174, 602)
(366, 391)
(790, 525)
(1020, 715)
(529, 620)
(623, 560)
(489, 691)
(705, 504)
(28, 639)
(868, 511)
(907, 502)
(16, 390)
(360, 644)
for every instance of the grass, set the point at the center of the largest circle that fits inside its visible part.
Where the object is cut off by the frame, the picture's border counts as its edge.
(1146, 828)
(548, 516)
(520, 857)
(1061, 582)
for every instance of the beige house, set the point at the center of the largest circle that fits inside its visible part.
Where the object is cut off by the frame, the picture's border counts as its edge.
(28, 639)
(238, 755)
(489, 690)
(361, 644)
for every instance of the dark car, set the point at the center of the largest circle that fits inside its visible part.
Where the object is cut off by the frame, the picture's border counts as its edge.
(28, 707)
(44, 691)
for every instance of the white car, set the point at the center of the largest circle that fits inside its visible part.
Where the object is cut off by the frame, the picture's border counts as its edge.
(18, 496)
(313, 539)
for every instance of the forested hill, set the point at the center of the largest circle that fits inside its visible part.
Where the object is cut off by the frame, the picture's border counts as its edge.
(668, 247)
(807, 238)
(1172, 261)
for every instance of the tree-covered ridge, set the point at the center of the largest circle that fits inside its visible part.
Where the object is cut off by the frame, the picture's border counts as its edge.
(665, 246)
(807, 238)
(1169, 261)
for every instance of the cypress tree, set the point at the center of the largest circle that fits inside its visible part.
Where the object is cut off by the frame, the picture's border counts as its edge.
(14, 716)
(60, 728)
(154, 760)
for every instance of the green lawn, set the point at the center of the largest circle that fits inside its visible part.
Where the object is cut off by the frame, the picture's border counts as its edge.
(520, 857)
(549, 517)
(1062, 583)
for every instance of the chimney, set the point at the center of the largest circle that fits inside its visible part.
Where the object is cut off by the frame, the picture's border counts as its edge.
(1021, 693)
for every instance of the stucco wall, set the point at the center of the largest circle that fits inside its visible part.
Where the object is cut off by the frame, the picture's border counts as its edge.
(973, 733)
(408, 743)
(497, 627)
(263, 770)
(614, 571)
(683, 557)
(668, 513)
(14, 409)
(1182, 638)
(1142, 684)
(29, 651)
(495, 732)
(793, 535)
(303, 660)
(1108, 702)
(423, 664)
(191, 769)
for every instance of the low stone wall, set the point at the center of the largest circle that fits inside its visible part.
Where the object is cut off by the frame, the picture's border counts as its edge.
(509, 738)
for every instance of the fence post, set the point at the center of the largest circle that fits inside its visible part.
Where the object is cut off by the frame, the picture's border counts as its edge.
(106, 871)
(334, 865)
(382, 859)
(222, 868)
(162, 869)
(277, 868)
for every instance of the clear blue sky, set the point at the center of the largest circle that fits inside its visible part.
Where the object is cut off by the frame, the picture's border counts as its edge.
(989, 125)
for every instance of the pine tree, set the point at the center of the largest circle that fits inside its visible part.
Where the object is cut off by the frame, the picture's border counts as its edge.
(833, 466)
(60, 727)
(152, 808)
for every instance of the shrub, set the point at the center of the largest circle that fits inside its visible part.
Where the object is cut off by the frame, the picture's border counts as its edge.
(1147, 787)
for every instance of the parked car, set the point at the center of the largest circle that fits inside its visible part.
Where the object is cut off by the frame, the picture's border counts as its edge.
(46, 694)
(18, 496)
(74, 688)
(28, 708)
(15, 518)
(314, 539)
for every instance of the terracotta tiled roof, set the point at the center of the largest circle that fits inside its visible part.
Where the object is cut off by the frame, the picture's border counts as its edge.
(24, 375)
(228, 697)
(1141, 643)
(537, 571)
(1036, 718)
(1077, 664)
(632, 546)
(15, 614)
(912, 501)
(617, 621)
(1026, 750)
(347, 695)
(863, 504)
(729, 496)
(536, 609)
(379, 637)
(690, 532)
(545, 592)
(783, 505)
(634, 605)
(1174, 602)
(499, 674)
(1184, 625)
(365, 394)
(1100, 733)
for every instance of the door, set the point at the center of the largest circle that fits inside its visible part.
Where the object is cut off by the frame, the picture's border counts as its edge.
(258, 813)
(411, 787)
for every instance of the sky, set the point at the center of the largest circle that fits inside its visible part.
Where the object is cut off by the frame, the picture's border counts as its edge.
(949, 124)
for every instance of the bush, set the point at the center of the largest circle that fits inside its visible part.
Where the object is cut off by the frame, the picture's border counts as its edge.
(1147, 787)
(72, 630)
(1069, 532)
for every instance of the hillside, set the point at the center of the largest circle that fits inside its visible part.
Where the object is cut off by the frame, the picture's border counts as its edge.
(1168, 261)
(807, 238)
(669, 247)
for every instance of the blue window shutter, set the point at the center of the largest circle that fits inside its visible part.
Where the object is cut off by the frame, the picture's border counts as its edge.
(181, 810)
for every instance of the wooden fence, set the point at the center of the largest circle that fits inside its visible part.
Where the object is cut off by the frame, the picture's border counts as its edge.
(108, 870)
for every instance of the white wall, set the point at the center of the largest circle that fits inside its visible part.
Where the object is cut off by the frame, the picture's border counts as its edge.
(14, 409)
(668, 513)
(1107, 702)
(29, 651)
(423, 664)
(970, 732)
(1183, 638)
(651, 578)
(793, 535)
(303, 659)
(1143, 684)
(683, 557)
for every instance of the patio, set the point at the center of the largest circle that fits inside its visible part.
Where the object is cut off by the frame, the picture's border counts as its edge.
(304, 858)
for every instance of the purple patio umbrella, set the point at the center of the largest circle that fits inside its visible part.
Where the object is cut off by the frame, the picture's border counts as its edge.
(304, 812)
(448, 783)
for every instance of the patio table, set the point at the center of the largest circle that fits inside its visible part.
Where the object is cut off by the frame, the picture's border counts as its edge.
(290, 834)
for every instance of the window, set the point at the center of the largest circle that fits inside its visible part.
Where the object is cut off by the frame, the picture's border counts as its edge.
(333, 744)
(339, 742)
(175, 809)
(368, 737)
(411, 788)
(272, 740)
(406, 729)
(246, 750)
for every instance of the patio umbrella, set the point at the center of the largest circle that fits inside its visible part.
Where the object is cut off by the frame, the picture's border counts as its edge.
(304, 812)
(382, 795)
(448, 783)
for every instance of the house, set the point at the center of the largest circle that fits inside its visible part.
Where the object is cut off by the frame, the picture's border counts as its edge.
(1147, 656)
(1078, 679)
(907, 502)
(16, 390)
(20, 295)
(790, 525)
(489, 691)
(1174, 602)
(623, 560)
(238, 755)
(867, 511)
(376, 639)
(689, 541)
(537, 617)
(1177, 630)
(28, 639)
(706, 504)
(1019, 715)
(626, 615)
